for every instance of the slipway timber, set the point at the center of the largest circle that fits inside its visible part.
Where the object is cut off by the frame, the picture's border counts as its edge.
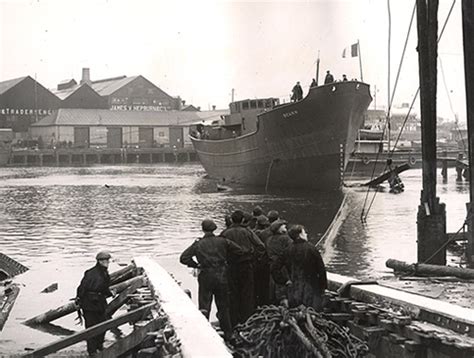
(390, 322)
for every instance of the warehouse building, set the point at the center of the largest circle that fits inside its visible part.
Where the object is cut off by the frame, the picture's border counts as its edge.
(73, 95)
(83, 128)
(24, 101)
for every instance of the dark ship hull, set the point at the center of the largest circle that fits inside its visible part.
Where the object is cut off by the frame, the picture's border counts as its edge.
(297, 145)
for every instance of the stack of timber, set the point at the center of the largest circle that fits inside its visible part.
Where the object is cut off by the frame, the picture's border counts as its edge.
(150, 324)
(165, 321)
(395, 323)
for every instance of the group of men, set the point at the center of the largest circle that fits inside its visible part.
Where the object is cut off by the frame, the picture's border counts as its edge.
(254, 261)
(297, 91)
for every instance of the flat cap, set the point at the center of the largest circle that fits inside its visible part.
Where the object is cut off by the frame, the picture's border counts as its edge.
(103, 255)
(208, 225)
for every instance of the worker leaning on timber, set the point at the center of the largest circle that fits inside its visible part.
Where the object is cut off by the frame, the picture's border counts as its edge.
(212, 254)
(91, 298)
(305, 274)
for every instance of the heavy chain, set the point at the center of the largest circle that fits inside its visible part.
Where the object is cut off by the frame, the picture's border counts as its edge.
(279, 332)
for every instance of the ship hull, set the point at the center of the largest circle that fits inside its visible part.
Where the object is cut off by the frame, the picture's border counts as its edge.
(297, 145)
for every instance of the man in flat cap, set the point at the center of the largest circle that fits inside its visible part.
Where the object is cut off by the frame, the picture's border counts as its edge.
(211, 253)
(91, 298)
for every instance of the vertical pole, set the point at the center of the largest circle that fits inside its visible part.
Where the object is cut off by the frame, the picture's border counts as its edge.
(317, 70)
(375, 97)
(233, 92)
(388, 73)
(431, 218)
(468, 30)
(360, 61)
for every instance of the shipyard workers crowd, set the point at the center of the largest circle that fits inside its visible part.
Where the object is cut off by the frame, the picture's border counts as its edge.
(254, 261)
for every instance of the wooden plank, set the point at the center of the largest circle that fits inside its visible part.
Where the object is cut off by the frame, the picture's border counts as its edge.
(91, 332)
(197, 337)
(119, 275)
(119, 287)
(52, 314)
(132, 340)
(118, 301)
(385, 176)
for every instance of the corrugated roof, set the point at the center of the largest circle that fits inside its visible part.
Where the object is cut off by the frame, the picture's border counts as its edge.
(6, 85)
(105, 117)
(107, 87)
(65, 93)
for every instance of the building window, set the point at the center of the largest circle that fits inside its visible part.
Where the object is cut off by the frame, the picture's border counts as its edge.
(253, 104)
(245, 105)
(161, 134)
(261, 103)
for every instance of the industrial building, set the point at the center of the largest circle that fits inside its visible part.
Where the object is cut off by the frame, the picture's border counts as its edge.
(84, 128)
(24, 101)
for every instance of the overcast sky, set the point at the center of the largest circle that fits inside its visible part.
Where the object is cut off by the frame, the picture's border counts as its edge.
(200, 50)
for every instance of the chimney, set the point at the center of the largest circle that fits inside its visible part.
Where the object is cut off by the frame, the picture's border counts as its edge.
(213, 107)
(86, 76)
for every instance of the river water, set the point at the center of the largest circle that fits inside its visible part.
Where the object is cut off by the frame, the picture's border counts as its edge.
(54, 221)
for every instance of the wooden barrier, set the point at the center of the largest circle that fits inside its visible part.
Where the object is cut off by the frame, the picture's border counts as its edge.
(135, 315)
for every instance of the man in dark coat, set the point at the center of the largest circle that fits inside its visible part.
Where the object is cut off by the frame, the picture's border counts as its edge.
(212, 254)
(305, 274)
(329, 78)
(262, 269)
(276, 246)
(242, 268)
(91, 298)
(297, 92)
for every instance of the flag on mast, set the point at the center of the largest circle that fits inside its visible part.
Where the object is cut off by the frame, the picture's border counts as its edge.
(351, 51)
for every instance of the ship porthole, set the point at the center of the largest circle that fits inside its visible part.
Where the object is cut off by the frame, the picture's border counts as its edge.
(333, 88)
(357, 86)
(412, 160)
(365, 160)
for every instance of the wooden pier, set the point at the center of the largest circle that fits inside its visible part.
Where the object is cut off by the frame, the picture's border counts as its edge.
(110, 156)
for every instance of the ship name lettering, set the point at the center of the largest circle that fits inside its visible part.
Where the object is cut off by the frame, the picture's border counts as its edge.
(290, 114)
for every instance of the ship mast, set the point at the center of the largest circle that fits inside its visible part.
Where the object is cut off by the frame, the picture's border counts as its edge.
(468, 30)
(431, 217)
(317, 70)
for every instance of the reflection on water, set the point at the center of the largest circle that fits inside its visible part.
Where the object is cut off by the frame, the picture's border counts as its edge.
(54, 220)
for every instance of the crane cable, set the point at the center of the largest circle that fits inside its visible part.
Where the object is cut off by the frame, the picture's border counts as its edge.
(364, 218)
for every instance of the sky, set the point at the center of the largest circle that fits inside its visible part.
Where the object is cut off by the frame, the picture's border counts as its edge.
(201, 50)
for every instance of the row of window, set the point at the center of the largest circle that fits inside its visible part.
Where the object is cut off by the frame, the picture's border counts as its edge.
(255, 104)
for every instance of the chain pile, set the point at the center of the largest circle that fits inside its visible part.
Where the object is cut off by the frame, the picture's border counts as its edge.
(276, 331)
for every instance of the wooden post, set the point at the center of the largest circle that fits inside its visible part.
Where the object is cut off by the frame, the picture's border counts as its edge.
(431, 218)
(468, 30)
(444, 170)
(91, 331)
